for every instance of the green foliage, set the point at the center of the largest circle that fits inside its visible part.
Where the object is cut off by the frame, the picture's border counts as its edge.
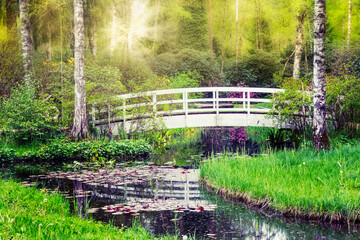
(160, 140)
(192, 32)
(102, 80)
(258, 33)
(27, 118)
(293, 106)
(25, 170)
(137, 76)
(343, 99)
(255, 70)
(94, 150)
(276, 138)
(7, 154)
(94, 165)
(204, 63)
(306, 182)
(185, 80)
(33, 214)
(11, 69)
(62, 150)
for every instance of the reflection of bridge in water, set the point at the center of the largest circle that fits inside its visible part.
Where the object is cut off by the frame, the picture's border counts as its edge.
(190, 107)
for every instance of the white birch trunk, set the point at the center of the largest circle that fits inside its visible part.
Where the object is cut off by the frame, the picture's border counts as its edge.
(299, 44)
(79, 129)
(349, 24)
(320, 137)
(26, 41)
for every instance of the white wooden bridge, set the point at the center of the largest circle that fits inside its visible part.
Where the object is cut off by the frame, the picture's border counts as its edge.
(190, 107)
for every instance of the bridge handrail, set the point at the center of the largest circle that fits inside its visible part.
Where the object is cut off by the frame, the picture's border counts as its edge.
(215, 100)
(200, 90)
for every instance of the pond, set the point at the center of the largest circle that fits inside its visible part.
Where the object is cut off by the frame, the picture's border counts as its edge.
(170, 200)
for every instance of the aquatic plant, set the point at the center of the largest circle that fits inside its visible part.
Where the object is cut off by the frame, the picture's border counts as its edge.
(320, 185)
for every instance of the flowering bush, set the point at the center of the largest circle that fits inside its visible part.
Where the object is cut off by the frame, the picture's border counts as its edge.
(238, 135)
(241, 94)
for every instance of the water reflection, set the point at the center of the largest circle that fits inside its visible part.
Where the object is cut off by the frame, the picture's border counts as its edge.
(170, 201)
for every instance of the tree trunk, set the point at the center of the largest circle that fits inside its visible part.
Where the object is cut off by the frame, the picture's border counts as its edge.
(48, 48)
(92, 40)
(349, 24)
(223, 39)
(299, 44)
(79, 129)
(156, 23)
(113, 30)
(237, 32)
(91, 28)
(258, 25)
(26, 41)
(320, 137)
(211, 45)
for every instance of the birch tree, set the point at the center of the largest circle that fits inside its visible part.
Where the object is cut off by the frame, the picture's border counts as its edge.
(320, 137)
(79, 129)
(26, 41)
(299, 43)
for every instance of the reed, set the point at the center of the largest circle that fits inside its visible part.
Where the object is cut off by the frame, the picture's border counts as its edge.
(27, 213)
(315, 185)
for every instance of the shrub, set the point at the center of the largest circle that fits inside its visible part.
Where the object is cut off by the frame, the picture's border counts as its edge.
(24, 171)
(343, 99)
(7, 154)
(238, 135)
(204, 63)
(293, 106)
(185, 80)
(255, 70)
(94, 150)
(27, 118)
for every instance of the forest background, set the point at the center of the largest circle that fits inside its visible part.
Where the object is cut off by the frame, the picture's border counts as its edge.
(139, 45)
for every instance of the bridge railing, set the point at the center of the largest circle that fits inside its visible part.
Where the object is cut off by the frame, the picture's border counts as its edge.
(214, 100)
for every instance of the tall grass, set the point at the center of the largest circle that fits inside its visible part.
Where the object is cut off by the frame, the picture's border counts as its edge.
(27, 213)
(324, 185)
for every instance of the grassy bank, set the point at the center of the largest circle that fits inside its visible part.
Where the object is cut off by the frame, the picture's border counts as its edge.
(324, 186)
(27, 213)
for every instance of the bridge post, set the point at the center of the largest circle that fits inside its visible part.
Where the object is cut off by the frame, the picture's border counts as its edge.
(248, 107)
(185, 105)
(108, 111)
(217, 102)
(124, 112)
(154, 105)
(214, 101)
(93, 115)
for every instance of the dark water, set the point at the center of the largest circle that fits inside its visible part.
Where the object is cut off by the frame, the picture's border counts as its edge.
(168, 200)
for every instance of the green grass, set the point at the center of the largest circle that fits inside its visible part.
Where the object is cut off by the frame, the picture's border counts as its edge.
(324, 185)
(27, 213)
